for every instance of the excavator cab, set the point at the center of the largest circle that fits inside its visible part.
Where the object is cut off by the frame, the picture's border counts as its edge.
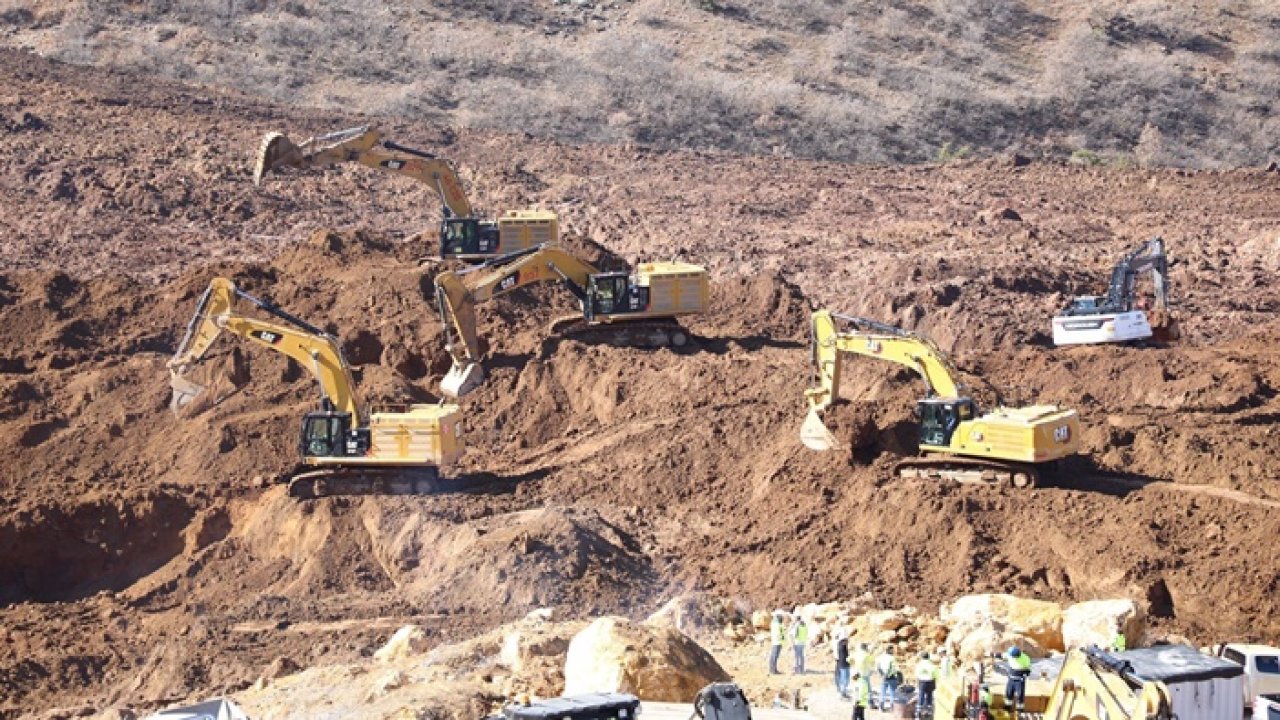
(939, 418)
(467, 236)
(614, 294)
(328, 434)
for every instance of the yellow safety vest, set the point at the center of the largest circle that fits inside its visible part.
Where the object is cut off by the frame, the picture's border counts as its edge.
(926, 670)
(862, 692)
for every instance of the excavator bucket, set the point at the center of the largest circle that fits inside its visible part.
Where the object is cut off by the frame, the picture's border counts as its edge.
(462, 379)
(184, 391)
(815, 435)
(276, 151)
(1164, 326)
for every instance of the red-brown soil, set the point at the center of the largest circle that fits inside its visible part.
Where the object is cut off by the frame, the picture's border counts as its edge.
(147, 558)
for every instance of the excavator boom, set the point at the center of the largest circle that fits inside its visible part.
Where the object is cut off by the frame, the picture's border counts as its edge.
(459, 291)
(364, 145)
(309, 346)
(866, 337)
(1095, 685)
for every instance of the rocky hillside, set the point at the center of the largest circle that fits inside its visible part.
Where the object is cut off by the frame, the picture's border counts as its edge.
(1148, 83)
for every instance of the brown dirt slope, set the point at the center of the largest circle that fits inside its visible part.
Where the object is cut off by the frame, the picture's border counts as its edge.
(148, 558)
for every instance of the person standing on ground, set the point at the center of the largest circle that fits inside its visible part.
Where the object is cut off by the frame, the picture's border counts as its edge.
(926, 680)
(799, 639)
(887, 666)
(862, 661)
(944, 662)
(861, 695)
(1118, 641)
(777, 632)
(1019, 668)
(841, 645)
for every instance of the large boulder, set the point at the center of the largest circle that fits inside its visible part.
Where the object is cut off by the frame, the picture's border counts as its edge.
(821, 613)
(1095, 622)
(659, 664)
(1036, 620)
(978, 641)
(522, 647)
(695, 613)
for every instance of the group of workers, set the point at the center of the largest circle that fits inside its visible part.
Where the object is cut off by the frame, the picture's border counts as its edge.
(855, 667)
(797, 633)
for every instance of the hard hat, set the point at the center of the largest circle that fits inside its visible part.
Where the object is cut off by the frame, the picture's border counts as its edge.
(779, 613)
(1014, 651)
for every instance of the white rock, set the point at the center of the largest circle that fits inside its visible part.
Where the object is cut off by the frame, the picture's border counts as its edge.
(659, 664)
(407, 641)
(1095, 622)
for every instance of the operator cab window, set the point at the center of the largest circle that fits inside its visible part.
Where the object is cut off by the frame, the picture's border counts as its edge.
(1268, 664)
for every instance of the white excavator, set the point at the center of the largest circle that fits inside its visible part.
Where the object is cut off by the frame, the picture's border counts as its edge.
(345, 451)
(1120, 316)
(636, 307)
(463, 235)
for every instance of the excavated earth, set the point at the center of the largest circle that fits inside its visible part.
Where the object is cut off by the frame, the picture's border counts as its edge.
(146, 558)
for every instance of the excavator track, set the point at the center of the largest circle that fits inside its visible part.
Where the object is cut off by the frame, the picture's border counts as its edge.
(974, 471)
(656, 332)
(311, 483)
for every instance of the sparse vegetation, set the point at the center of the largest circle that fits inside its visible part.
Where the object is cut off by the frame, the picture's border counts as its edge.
(1167, 84)
(948, 153)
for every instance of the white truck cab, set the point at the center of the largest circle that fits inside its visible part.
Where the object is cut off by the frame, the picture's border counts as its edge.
(1261, 665)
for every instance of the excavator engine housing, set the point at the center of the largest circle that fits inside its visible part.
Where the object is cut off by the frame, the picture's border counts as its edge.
(469, 238)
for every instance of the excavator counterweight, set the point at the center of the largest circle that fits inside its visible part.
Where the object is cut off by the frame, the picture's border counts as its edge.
(345, 450)
(960, 443)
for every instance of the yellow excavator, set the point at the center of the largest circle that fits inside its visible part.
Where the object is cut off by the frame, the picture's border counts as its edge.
(1008, 445)
(463, 236)
(1095, 685)
(1090, 684)
(634, 308)
(344, 450)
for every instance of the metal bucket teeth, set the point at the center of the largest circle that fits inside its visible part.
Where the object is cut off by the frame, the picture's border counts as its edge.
(184, 391)
(462, 379)
(815, 435)
(275, 150)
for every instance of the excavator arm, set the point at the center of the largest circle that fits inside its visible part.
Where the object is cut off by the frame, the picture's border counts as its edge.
(1149, 257)
(866, 337)
(459, 291)
(365, 145)
(309, 346)
(873, 339)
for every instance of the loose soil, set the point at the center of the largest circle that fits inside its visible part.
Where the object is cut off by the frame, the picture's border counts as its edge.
(148, 558)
